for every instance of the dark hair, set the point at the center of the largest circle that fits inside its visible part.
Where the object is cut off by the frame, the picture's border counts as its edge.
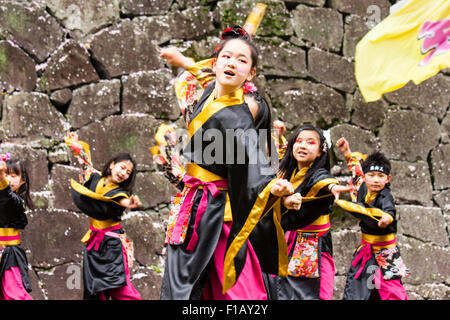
(17, 167)
(376, 161)
(288, 164)
(237, 32)
(128, 184)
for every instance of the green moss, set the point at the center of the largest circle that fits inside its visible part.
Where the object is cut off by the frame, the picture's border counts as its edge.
(3, 60)
(16, 20)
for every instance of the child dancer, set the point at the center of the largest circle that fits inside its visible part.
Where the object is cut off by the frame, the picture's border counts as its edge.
(378, 257)
(14, 197)
(306, 214)
(103, 196)
(208, 253)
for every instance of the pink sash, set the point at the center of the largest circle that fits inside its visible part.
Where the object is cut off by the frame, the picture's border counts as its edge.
(194, 184)
(365, 253)
(97, 236)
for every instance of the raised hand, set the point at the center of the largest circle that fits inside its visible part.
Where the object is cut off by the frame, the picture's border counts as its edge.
(343, 146)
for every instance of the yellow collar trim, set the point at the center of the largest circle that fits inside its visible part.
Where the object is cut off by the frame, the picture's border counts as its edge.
(212, 106)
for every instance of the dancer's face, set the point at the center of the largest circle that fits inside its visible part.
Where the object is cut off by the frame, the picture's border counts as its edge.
(121, 171)
(306, 147)
(375, 180)
(233, 65)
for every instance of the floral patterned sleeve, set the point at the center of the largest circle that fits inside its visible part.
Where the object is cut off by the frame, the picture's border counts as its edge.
(81, 151)
(202, 71)
(167, 154)
(354, 161)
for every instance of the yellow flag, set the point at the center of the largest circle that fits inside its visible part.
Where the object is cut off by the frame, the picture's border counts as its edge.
(412, 43)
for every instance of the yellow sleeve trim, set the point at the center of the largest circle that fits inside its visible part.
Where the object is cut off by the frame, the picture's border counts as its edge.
(85, 191)
(4, 184)
(257, 212)
(373, 213)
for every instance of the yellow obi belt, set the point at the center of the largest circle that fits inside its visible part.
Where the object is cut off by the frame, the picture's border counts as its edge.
(97, 231)
(321, 225)
(9, 236)
(379, 242)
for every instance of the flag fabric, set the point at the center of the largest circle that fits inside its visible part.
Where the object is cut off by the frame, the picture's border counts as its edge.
(412, 43)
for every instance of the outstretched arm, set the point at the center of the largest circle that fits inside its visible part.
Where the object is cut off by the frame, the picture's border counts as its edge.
(131, 203)
(82, 153)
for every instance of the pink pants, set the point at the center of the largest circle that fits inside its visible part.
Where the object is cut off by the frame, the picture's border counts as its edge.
(12, 286)
(389, 290)
(249, 285)
(326, 276)
(127, 292)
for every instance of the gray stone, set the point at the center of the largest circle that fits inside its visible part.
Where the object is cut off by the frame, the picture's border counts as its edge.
(123, 49)
(379, 9)
(61, 97)
(158, 28)
(31, 28)
(63, 280)
(153, 189)
(17, 69)
(150, 92)
(409, 177)
(31, 115)
(145, 7)
(318, 3)
(276, 21)
(402, 140)
(45, 243)
(367, 115)
(360, 140)
(355, 28)
(427, 262)
(345, 243)
(69, 66)
(431, 291)
(331, 70)
(425, 223)
(35, 162)
(147, 235)
(431, 96)
(192, 23)
(281, 59)
(443, 200)
(59, 154)
(82, 17)
(299, 102)
(147, 282)
(37, 293)
(42, 199)
(445, 129)
(440, 165)
(94, 102)
(320, 26)
(132, 133)
(61, 176)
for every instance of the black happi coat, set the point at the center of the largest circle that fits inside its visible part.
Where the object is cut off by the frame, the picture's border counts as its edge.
(103, 268)
(362, 288)
(320, 203)
(248, 188)
(385, 202)
(12, 215)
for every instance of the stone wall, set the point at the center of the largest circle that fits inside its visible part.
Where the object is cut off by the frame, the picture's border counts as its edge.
(93, 67)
